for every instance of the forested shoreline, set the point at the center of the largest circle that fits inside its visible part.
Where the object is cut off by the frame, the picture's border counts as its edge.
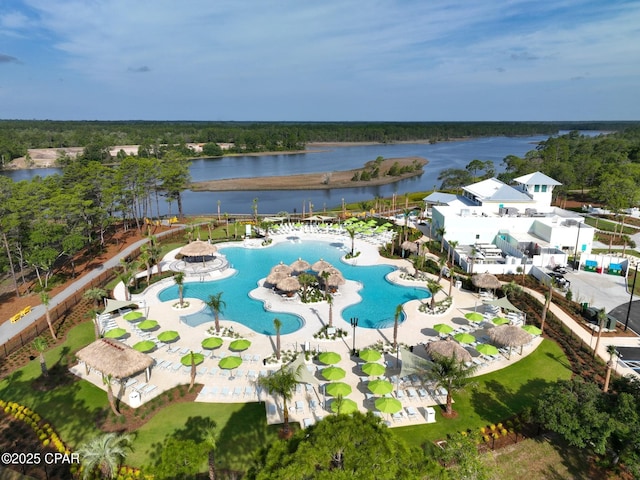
(17, 136)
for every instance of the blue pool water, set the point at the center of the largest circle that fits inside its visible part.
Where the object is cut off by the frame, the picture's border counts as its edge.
(376, 310)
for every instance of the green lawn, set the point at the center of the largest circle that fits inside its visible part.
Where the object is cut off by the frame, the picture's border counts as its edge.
(496, 396)
(608, 226)
(73, 408)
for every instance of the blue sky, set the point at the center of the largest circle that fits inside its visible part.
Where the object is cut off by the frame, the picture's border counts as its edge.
(368, 60)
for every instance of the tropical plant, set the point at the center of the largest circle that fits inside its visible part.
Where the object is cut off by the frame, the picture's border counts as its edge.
(306, 280)
(611, 350)
(104, 454)
(95, 294)
(106, 381)
(216, 304)
(210, 438)
(547, 303)
(511, 289)
(329, 298)
(192, 362)
(451, 374)
(352, 234)
(434, 287)
(396, 321)
(602, 317)
(40, 344)
(442, 261)
(179, 279)
(146, 259)
(452, 248)
(94, 315)
(277, 324)
(441, 232)
(45, 299)
(282, 382)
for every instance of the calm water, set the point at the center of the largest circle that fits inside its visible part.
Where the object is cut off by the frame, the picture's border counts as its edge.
(376, 310)
(441, 156)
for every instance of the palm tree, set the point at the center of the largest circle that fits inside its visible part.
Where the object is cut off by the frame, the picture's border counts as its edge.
(602, 317)
(611, 350)
(441, 232)
(95, 294)
(396, 320)
(352, 233)
(155, 250)
(145, 258)
(277, 324)
(126, 275)
(511, 289)
(179, 279)
(282, 382)
(441, 264)
(216, 304)
(106, 381)
(210, 439)
(452, 248)
(330, 303)
(45, 299)
(547, 303)
(434, 287)
(451, 374)
(306, 280)
(40, 344)
(193, 370)
(104, 453)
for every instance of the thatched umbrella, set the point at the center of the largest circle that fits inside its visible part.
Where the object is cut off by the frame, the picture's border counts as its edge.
(274, 277)
(113, 358)
(300, 266)
(448, 348)
(510, 336)
(281, 268)
(320, 265)
(409, 247)
(290, 284)
(198, 248)
(486, 281)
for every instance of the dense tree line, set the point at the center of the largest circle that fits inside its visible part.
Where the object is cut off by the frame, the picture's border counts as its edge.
(16, 136)
(46, 220)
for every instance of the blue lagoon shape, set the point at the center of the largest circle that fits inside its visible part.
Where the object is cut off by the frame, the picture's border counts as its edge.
(376, 310)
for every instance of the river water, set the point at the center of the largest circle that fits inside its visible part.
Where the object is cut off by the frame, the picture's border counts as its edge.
(440, 156)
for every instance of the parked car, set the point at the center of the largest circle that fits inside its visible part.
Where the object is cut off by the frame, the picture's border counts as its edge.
(591, 315)
(560, 280)
(560, 269)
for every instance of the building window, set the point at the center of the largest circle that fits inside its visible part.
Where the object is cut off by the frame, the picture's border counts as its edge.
(536, 188)
(544, 188)
(477, 236)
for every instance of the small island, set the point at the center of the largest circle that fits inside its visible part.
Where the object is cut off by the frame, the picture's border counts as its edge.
(376, 172)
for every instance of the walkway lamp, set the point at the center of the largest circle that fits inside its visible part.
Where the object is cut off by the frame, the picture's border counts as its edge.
(354, 323)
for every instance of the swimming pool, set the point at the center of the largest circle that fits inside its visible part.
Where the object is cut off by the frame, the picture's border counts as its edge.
(376, 310)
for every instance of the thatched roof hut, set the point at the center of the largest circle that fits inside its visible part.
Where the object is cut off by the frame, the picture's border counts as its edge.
(448, 348)
(510, 336)
(198, 248)
(281, 268)
(274, 277)
(289, 284)
(409, 246)
(113, 358)
(300, 266)
(320, 265)
(486, 280)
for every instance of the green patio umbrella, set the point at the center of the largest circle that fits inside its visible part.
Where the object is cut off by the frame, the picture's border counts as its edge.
(373, 369)
(133, 316)
(464, 338)
(230, 362)
(486, 349)
(336, 389)
(532, 329)
(144, 346)
(370, 355)
(147, 325)
(443, 328)
(115, 333)
(388, 405)
(168, 336)
(501, 321)
(239, 345)
(333, 373)
(474, 317)
(211, 343)
(329, 358)
(343, 405)
(380, 387)
(198, 358)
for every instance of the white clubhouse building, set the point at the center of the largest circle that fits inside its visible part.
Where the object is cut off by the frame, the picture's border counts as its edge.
(502, 228)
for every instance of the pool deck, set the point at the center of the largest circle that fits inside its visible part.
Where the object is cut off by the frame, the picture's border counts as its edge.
(308, 403)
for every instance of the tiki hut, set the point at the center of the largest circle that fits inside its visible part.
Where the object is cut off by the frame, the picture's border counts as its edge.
(274, 277)
(111, 357)
(510, 336)
(486, 281)
(448, 348)
(281, 268)
(300, 266)
(198, 251)
(410, 247)
(289, 284)
(320, 265)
